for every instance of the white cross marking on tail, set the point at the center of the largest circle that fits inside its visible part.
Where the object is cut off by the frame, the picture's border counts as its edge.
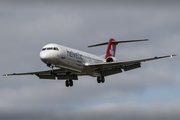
(112, 51)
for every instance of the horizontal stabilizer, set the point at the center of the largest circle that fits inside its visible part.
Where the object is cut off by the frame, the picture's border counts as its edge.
(116, 42)
(98, 44)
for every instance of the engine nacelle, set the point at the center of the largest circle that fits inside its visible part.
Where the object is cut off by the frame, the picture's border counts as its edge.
(111, 59)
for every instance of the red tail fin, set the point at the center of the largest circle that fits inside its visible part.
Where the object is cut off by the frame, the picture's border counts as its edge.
(111, 48)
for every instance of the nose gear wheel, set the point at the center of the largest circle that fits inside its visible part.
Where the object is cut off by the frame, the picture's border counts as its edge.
(100, 79)
(69, 83)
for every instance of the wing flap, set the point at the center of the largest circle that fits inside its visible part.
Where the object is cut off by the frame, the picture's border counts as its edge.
(131, 67)
(62, 77)
(47, 77)
(110, 71)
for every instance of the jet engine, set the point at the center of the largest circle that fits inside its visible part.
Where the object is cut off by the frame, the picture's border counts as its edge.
(111, 59)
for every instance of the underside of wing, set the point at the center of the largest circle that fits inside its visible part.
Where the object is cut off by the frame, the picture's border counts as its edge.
(126, 65)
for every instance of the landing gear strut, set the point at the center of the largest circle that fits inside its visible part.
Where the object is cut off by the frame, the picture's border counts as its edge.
(69, 83)
(100, 79)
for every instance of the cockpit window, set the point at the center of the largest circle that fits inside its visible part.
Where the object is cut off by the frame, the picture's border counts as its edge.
(49, 48)
(43, 49)
(55, 48)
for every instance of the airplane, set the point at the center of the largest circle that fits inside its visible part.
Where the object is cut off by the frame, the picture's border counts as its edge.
(71, 63)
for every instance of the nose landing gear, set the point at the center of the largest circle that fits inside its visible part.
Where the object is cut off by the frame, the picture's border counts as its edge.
(100, 79)
(49, 65)
(69, 83)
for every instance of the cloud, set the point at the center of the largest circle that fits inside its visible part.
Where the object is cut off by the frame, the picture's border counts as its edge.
(128, 110)
(131, 110)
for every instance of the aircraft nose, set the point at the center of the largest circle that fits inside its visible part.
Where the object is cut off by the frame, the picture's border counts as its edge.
(44, 57)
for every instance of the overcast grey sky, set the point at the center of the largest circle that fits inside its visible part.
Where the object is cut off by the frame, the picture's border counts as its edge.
(151, 92)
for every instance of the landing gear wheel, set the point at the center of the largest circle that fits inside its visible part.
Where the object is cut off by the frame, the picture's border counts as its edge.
(71, 83)
(102, 79)
(67, 83)
(98, 79)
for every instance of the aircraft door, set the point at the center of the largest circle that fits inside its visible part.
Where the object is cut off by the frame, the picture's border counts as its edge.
(62, 52)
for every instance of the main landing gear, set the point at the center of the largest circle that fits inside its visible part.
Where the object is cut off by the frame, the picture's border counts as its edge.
(100, 79)
(69, 83)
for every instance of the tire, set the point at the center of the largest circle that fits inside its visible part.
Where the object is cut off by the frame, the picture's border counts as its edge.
(98, 80)
(67, 83)
(71, 83)
(102, 79)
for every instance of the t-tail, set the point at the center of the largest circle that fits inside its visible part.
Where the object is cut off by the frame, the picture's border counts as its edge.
(111, 48)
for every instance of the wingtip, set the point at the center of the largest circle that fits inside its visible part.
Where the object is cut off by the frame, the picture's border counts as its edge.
(173, 55)
(5, 75)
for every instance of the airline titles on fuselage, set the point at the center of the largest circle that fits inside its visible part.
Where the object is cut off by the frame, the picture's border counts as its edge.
(74, 55)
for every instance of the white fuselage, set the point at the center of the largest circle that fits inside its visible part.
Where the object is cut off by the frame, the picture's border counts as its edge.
(68, 58)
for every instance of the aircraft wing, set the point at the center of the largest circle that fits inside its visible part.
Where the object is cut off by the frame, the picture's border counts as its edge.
(126, 65)
(49, 74)
(108, 69)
